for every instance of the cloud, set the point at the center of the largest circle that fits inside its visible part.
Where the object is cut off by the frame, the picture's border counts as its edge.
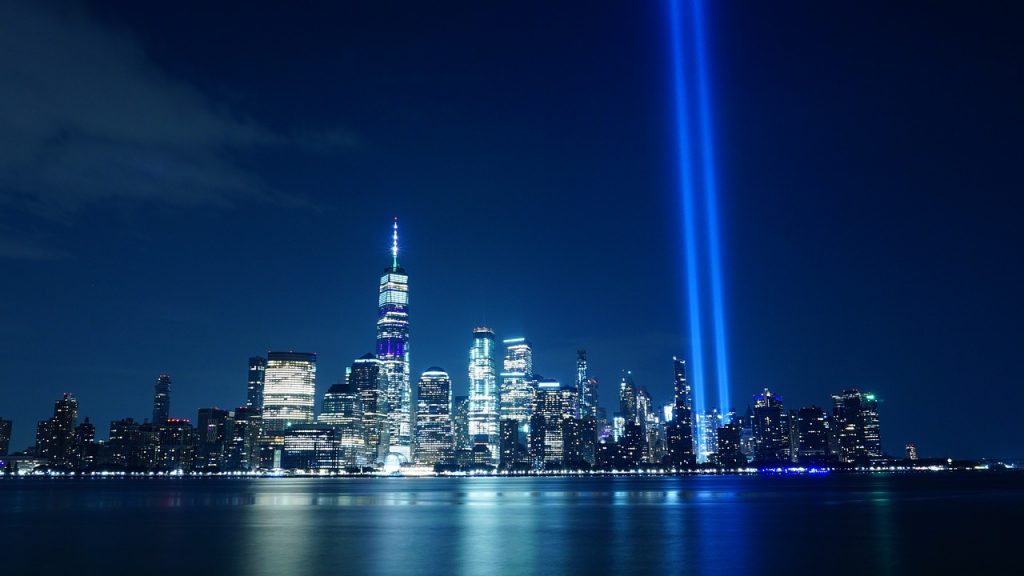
(86, 116)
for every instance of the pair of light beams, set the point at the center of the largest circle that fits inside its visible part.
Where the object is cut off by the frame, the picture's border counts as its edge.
(689, 66)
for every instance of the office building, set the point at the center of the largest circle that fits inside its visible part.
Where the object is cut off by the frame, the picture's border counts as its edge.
(312, 447)
(243, 446)
(214, 431)
(855, 415)
(627, 397)
(770, 430)
(552, 406)
(707, 425)
(729, 454)
(254, 388)
(162, 399)
(366, 377)
(587, 386)
(342, 408)
(516, 390)
(5, 436)
(393, 352)
(55, 437)
(483, 392)
(434, 438)
(812, 435)
(175, 445)
(679, 431)
(460, 424)
(289, 390)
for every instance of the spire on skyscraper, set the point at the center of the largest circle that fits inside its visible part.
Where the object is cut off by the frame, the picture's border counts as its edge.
(394, 244)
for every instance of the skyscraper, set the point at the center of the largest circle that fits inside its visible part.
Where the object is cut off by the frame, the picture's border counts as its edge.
(729, 454)
(434, 441)
(483, 392)
(679, 432)
(627, 397)
(586, 385)
(85, 447)
(5, 436)
(812, 435)
(460, 424)
(55, 437)
(516, 389)
(214, 428)
(243, 446)
(365, 377)
(770, 429)
(289, 390)
(162, 399)
(393, 350)
(855, 415)
(707, 425)
(552, 406)
(342, 408)
(254, 391)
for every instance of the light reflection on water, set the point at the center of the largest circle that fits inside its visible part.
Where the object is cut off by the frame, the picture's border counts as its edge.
(468, 526)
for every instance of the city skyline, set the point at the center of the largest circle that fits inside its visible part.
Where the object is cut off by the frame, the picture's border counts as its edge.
(866, 170)
(514, 414)
(291, 374)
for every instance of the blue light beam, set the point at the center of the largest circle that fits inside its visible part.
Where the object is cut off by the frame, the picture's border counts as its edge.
(711, 210)
(689, 220)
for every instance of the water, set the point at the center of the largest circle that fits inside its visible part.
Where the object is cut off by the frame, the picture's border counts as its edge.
(886, 524)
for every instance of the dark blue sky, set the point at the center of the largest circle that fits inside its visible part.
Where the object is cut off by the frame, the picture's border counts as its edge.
(182, 187)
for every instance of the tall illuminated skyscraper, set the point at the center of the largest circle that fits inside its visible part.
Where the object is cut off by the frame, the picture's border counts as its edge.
(679, 432)
(627, 397)
(254, 391)
(586, 385)
(554, 406)
(55, 436)
(707, 425)
(516, 389)
(855, 415)
(483, 391)
(162, 399)
(365, 376)
(434, 441)
(289, 390)
(393, 350)
(771, 429)
(342, 408)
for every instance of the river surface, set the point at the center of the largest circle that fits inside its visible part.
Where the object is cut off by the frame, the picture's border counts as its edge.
(942, 523)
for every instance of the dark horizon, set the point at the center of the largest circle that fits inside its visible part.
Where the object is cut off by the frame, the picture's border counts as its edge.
(185, 188)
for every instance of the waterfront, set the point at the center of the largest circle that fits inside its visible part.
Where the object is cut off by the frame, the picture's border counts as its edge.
(850, 524)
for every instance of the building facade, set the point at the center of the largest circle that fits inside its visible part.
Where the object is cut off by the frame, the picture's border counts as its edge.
(342, 408)
(771, 433)
(812, 428)
(434, 438)
(857, 432)
(289, 390)
(483, 392)
(393, 351)
(55, 436)
(516, 389)
(162, 399)
(679, 430)
(366, 377)
(254, 387)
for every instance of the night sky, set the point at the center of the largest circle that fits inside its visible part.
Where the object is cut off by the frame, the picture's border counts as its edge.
(182, 187)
